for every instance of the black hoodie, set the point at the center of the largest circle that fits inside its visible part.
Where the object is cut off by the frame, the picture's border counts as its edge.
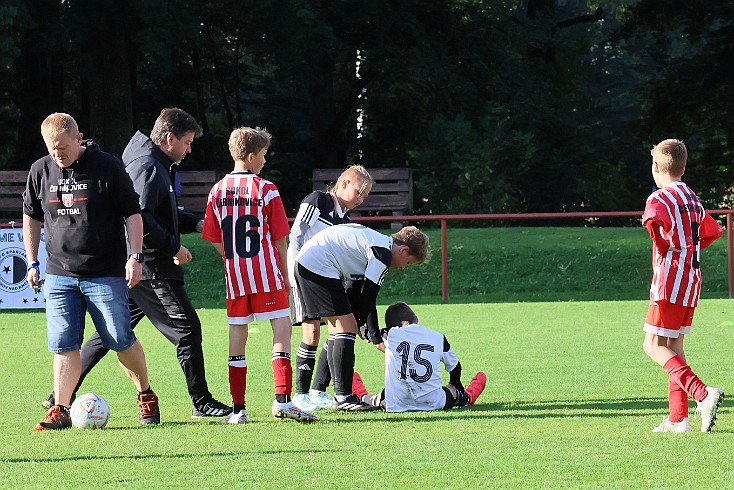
(150, 170)
(83, 208)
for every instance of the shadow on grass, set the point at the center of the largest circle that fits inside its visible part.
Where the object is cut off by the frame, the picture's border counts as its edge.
(595, 408)
(212, 454)
(208, 421)
(592, 404)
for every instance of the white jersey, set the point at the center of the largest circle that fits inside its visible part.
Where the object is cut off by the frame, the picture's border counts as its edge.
(318, 211)
(413, 357)
(349, 252)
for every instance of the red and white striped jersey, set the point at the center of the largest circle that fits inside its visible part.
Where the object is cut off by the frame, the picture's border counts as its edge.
(680, 228)
(245, 214)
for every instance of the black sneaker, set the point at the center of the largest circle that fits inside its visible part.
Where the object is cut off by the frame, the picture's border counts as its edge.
(210, 408)
(352, 404)
(49, 402)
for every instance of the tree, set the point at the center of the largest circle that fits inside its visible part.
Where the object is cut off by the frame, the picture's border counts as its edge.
(501, 105)
(691, 94)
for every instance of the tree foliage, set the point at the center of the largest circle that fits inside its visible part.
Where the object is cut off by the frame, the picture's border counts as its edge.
(497, 105)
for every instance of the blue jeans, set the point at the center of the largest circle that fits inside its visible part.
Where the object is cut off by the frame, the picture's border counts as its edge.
(69, 298)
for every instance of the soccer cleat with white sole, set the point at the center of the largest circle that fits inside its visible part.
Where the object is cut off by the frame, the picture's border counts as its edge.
(210, 408)
(708, 406)
(320, 399)
(302, 401)
(236, 418)
(50, 401)
(668, 426)
(289, 411)
(352, 404)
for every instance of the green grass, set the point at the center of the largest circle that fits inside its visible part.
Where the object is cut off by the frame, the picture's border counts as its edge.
(570, 403)
(553, 315)
(508, 264)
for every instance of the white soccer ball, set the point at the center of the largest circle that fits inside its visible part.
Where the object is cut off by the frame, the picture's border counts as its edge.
(90, 411)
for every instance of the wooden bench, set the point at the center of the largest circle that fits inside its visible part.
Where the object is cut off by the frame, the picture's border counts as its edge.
(195, 187)
(12, 185)
(392, 191)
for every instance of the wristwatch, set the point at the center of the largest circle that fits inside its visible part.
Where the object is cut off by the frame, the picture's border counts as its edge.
(138, 257)
(34, 265)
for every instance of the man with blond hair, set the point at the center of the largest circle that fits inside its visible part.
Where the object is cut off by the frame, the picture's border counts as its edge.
(152, 163)
(88, 206)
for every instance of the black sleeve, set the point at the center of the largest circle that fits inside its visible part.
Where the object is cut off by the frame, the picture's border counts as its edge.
(368, 308)
(187, 221)
(455, 375)
(123, 194)
(31, 197)
(354, 293)
(153, 189)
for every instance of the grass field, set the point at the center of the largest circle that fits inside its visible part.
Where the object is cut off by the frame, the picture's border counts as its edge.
(570, 403)
(508, 264)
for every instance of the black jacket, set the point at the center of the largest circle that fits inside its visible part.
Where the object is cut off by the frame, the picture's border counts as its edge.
(150, 170)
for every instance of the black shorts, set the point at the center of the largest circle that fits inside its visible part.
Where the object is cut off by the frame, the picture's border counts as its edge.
(321, 296)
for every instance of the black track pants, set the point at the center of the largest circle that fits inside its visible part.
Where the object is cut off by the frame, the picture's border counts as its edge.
(169, 309)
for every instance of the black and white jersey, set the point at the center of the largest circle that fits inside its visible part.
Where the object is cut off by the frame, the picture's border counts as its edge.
(318, 211)
(349, 252)
(413, 357)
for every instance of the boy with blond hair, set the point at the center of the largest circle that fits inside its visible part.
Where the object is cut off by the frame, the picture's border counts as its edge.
(318, 211)
(246, 222)
(680, 228)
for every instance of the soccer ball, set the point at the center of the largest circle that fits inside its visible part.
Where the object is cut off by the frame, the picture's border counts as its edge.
(90, 411)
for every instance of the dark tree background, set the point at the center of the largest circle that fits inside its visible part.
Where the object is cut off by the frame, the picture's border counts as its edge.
(497, 105)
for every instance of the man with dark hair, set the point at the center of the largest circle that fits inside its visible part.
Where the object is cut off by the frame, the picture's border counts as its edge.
(152, 163)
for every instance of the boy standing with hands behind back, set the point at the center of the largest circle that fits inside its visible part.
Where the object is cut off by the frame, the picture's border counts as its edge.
(246, 222)
(680, 228)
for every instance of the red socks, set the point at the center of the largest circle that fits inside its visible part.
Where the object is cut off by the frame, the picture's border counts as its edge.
(282, 373)
(238, 384)
(677, 401)
(682, 380)
(358, 387)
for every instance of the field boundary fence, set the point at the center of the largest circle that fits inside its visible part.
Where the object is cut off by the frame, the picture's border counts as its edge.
(445, 219)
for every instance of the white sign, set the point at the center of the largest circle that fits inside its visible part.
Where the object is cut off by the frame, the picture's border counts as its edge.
(14, 289)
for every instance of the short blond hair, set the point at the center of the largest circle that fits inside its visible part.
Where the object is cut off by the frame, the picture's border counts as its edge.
(246, 140)
(416, 240)
(58, 123)
(355, 173)
(671, 156)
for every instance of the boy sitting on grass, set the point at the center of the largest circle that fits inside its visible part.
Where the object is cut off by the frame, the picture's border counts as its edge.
(413, 355)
